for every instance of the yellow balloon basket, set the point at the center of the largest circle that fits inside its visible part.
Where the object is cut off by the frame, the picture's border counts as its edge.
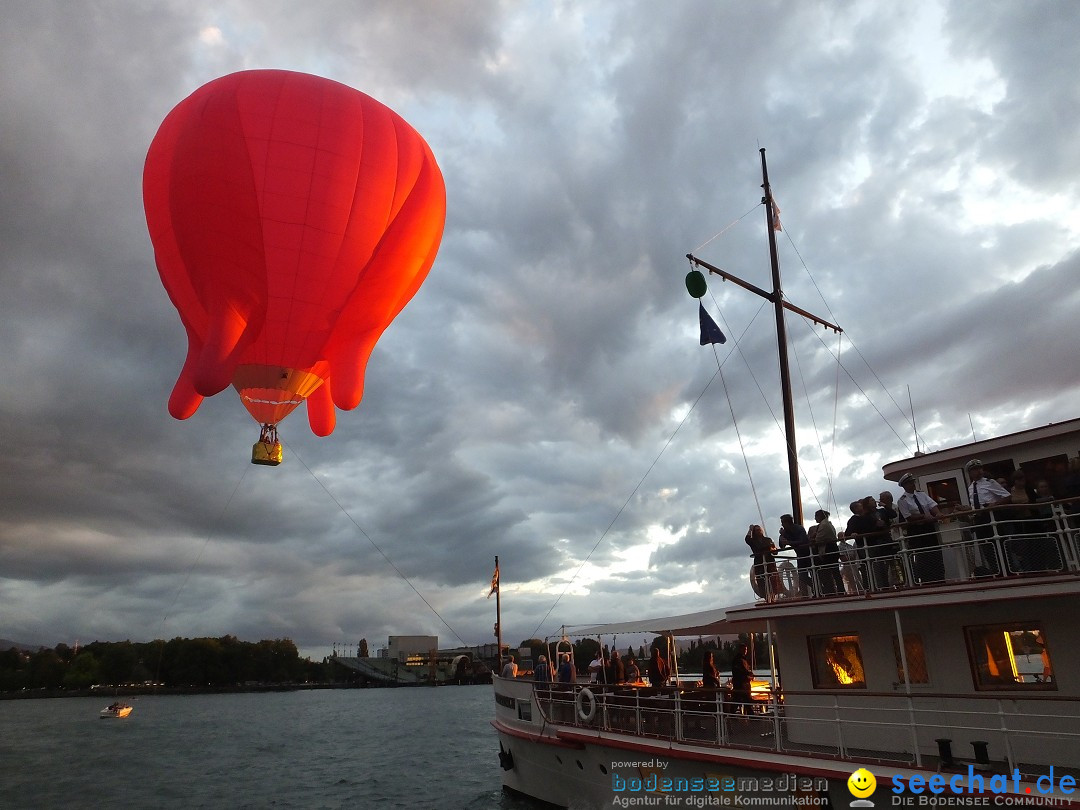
(267, 450)
(268, 453)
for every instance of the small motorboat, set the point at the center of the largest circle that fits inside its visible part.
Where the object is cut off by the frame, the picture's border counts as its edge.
(115, 710)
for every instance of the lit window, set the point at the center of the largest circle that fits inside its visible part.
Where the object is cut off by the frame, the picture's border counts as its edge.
(916, 659)
(1010, 656)
(837, 662)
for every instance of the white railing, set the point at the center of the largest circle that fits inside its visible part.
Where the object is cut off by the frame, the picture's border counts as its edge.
(1020, 732)
(1012, 540)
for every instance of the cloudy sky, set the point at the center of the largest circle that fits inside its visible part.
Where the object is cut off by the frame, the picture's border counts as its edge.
(544, 397)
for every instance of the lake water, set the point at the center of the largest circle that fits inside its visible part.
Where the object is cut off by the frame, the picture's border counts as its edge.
(355, 748)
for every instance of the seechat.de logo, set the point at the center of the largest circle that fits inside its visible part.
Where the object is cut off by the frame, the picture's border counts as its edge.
(862, 785)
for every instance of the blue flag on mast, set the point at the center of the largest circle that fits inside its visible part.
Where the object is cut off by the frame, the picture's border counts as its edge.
(710, 332)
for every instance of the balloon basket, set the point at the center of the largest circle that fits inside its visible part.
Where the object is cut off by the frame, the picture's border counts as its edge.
(267, 450)
(268, 453)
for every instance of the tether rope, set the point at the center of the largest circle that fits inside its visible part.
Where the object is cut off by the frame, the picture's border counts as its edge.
(375, 546)
(191, 568)
(626, 503)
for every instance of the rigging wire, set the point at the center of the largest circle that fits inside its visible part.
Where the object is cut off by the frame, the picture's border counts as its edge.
(817, 433)
(727, 228)
(626, 503)
(861, 391)
(761, 391)
(909, 421)
(375, 546)
(671, 438)
(836, 410)
(830, 497)
(742, 447)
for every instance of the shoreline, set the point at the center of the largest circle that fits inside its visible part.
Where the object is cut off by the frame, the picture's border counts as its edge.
(110, 692)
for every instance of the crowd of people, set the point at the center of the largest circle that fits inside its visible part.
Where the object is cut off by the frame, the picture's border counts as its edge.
(612, 669)
(866, 554)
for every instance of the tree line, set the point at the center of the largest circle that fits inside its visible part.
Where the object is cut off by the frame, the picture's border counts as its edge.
(180, 662)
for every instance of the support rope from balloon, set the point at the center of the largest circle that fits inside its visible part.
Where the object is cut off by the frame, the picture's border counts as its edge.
(191, 569)
(375, 546)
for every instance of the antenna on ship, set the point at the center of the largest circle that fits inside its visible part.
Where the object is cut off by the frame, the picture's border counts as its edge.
(911, 407)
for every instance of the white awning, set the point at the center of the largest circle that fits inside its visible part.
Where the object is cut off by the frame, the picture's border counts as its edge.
(718, 621)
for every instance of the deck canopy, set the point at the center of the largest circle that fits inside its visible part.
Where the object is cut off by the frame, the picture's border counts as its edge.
(705, 623)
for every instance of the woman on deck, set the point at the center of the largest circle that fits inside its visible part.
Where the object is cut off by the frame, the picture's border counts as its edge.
(710, 675)
(766, 576)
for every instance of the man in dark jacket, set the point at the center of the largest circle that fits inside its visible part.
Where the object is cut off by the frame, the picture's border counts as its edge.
(795, 536)
(658, 669)
(741, 676)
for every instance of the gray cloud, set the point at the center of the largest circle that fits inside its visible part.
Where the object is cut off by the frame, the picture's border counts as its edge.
(530, 401)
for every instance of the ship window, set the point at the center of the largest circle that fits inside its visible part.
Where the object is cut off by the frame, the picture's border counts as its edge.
(999, 469)
(945, 491)
(916, 659)
(1010, 656)
(1052, 468)
(836, 662)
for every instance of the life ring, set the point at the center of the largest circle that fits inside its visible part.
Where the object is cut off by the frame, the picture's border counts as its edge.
(784, 577)
(585, 713)
(757, 581)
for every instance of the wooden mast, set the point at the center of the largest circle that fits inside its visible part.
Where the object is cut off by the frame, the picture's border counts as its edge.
(781, 343)
(497, 585)
(779, 305)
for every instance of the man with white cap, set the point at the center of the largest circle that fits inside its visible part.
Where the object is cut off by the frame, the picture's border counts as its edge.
(983, 493)
(920, 515)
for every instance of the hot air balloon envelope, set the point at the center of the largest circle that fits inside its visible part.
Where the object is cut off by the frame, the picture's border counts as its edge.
(292, 219)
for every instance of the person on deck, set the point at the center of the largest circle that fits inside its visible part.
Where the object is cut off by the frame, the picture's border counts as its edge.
(710, 675)
(920, 515)
(543, 670)
(794, 535)
(868, 527)
(765, 574)
(658, 669)
(827, 554)
(509, 670)
(596, 667)
(616, 672)
(983, 494)
(566, 669)
(741, 677)
(849, 565)
(886, 510)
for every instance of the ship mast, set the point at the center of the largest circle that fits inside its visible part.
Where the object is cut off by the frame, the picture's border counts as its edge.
(779, 305)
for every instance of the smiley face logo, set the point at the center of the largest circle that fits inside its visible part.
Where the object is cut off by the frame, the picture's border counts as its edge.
(862, 783)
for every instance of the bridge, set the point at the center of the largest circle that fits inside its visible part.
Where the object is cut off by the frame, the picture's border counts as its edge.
(380, 671)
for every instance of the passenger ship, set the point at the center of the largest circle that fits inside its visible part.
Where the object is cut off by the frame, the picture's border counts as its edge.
(968, 684)
(954, 683)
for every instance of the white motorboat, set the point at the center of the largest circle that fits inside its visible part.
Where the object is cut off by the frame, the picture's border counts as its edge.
(115, 710)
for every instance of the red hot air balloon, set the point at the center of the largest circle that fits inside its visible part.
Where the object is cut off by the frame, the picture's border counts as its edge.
(292, 219)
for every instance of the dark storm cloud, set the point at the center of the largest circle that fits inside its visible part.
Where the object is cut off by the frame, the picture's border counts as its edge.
(534, 400)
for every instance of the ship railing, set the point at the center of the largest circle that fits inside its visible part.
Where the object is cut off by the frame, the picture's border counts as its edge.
(995, 733)
(1006, 541)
